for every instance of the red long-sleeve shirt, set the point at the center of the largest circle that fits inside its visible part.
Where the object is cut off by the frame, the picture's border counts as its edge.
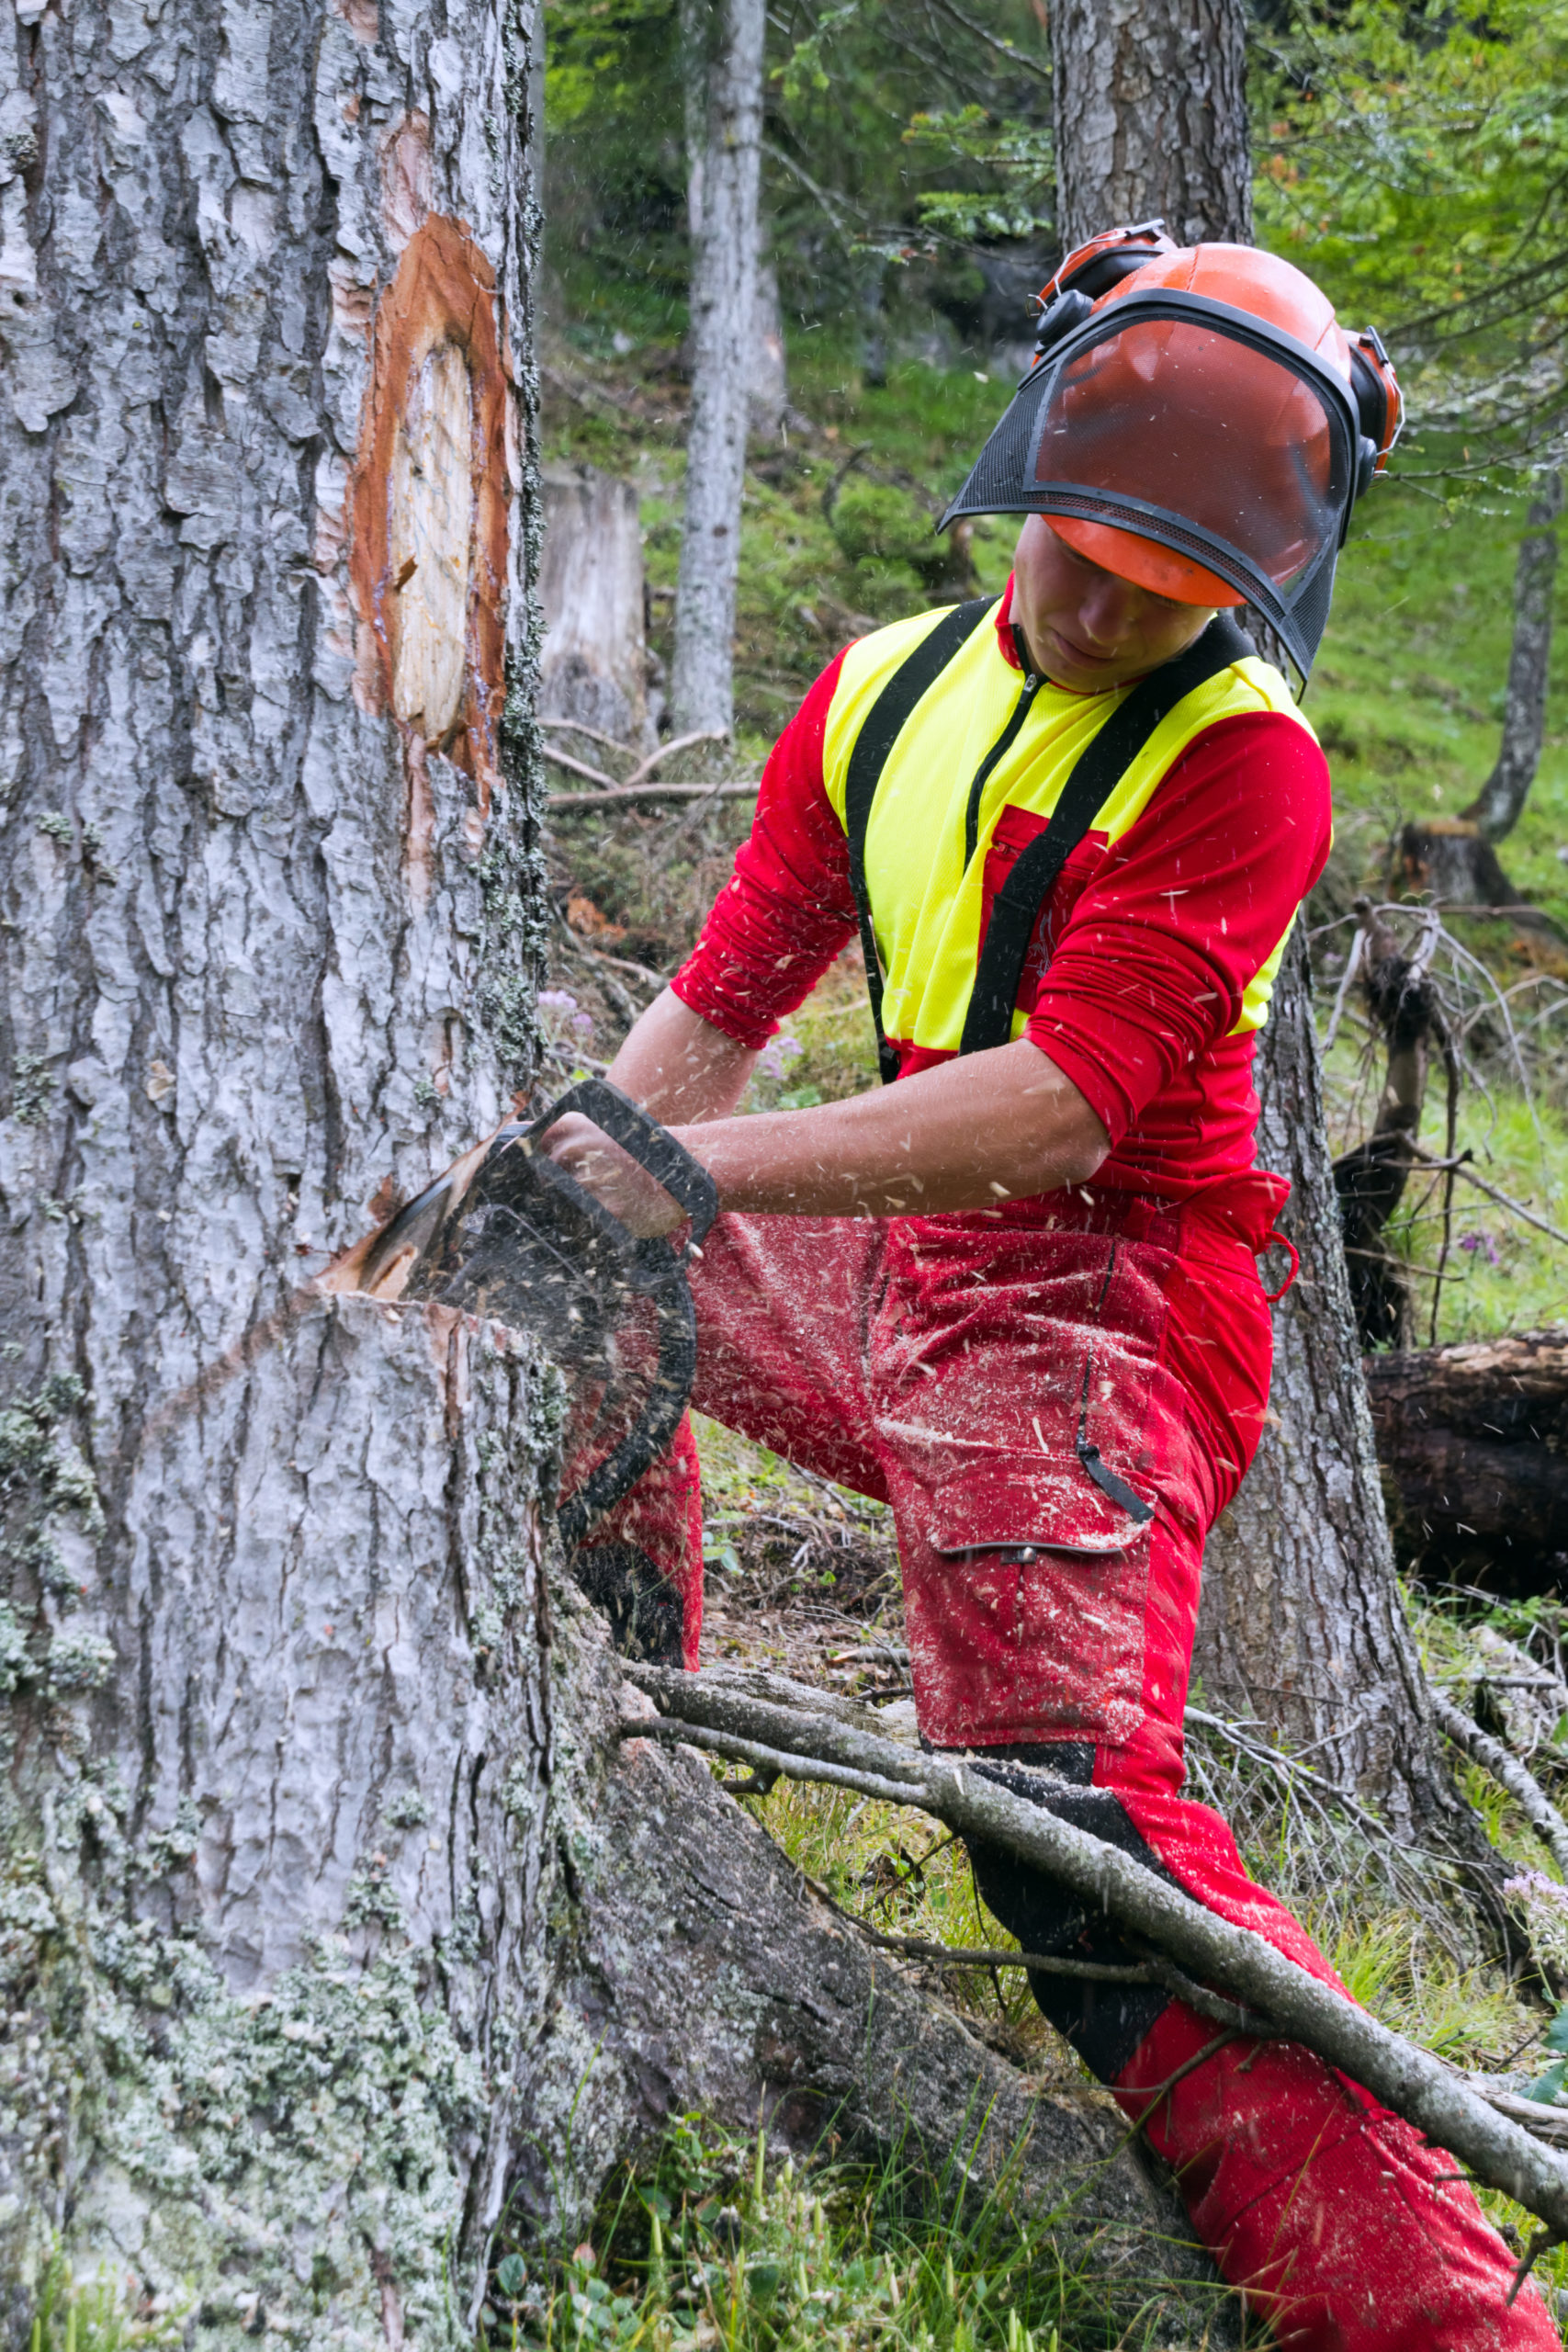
(1141, 956)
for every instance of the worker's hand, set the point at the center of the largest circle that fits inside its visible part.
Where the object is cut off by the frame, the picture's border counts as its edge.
(613, 1176)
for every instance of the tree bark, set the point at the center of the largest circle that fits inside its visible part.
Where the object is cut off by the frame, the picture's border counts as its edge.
(724, 41)
(1300, 1625)
(1500, 802)
(1472, 1441)
(1151, 118)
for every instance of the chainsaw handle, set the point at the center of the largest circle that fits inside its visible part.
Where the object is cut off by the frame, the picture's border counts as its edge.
(653, 1148)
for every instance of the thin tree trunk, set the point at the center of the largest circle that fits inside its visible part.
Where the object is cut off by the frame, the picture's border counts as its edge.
(767, 382)
(1301, 1627)
(1151, 118)
(724, 42)
(1498, 807)
(593, 662)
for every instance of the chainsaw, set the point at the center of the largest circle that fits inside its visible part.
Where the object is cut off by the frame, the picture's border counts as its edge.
(508, 1235)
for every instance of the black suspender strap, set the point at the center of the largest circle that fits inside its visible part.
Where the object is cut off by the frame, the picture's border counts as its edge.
(1099, 771)
(884, 724)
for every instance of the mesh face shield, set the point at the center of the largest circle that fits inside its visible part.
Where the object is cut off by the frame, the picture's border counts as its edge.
(1178, 420)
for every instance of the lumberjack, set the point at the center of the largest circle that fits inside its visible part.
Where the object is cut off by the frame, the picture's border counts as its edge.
(1015, 1294)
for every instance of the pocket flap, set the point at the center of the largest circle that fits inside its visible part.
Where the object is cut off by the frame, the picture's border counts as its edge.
(1057, 1507)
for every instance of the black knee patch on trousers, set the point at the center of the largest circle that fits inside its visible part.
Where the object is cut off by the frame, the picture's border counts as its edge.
(1105, 2023)
(647, 1614)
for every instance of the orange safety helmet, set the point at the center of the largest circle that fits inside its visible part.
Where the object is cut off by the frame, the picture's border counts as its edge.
(1195, 420)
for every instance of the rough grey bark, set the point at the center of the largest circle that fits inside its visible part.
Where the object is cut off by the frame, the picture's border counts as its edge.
(265, 951)
(1301, 1627)
(594, 662)
(1500, 802)
(1150, 100)
(724, 44)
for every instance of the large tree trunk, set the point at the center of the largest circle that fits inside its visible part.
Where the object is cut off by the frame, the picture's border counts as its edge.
(1498, 807)
(724, 42)
(1150, 101)
(265, 1892)
(333, 1914)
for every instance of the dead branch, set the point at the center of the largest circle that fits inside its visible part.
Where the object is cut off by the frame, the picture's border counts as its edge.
(623, 791)
(803, 1743)
(1509, 1773)
(1150, 1971)
(667, 751)
(1461, 1167)
(591, 734)
(580, 768)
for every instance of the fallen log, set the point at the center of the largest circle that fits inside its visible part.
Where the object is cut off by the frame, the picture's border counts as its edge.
(1472, 1442)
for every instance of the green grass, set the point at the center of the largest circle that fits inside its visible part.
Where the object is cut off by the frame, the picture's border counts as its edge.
(709, 2247)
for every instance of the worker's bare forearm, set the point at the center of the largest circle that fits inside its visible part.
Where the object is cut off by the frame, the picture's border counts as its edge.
(679, 1067)
(963, 1135)
(975, 1131)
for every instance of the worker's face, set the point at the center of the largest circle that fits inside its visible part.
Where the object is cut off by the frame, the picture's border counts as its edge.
(1087, 629)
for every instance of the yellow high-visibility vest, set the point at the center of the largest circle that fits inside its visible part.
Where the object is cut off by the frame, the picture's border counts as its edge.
(925, 887)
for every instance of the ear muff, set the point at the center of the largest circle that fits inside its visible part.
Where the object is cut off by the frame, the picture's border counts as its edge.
(1091, 271)
(1380, 404)
(1058, 318)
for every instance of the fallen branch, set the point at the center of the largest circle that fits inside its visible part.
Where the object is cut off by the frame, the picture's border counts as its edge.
(645, 791)
(1507, 1770)
(1429, 2095)
(592, 734)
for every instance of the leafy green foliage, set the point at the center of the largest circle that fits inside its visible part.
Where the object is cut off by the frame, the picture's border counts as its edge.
(1414, 159)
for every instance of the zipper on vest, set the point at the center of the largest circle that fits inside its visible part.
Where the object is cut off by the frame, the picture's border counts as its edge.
(1004, 743)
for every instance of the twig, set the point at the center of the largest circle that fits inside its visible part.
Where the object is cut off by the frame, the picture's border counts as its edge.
(667, 751)
(1347, 981)
(1461, 1167)
(1409, 2080)
(648, 792)
(1542, 2241)
(994, 41)
(593, 734)
(1148, 1972)
(1507, 1770)
(580, 768)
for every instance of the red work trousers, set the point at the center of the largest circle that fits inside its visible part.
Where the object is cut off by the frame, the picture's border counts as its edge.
(1057, 1399)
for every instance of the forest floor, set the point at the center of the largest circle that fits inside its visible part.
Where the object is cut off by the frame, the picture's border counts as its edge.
(803, 1577)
